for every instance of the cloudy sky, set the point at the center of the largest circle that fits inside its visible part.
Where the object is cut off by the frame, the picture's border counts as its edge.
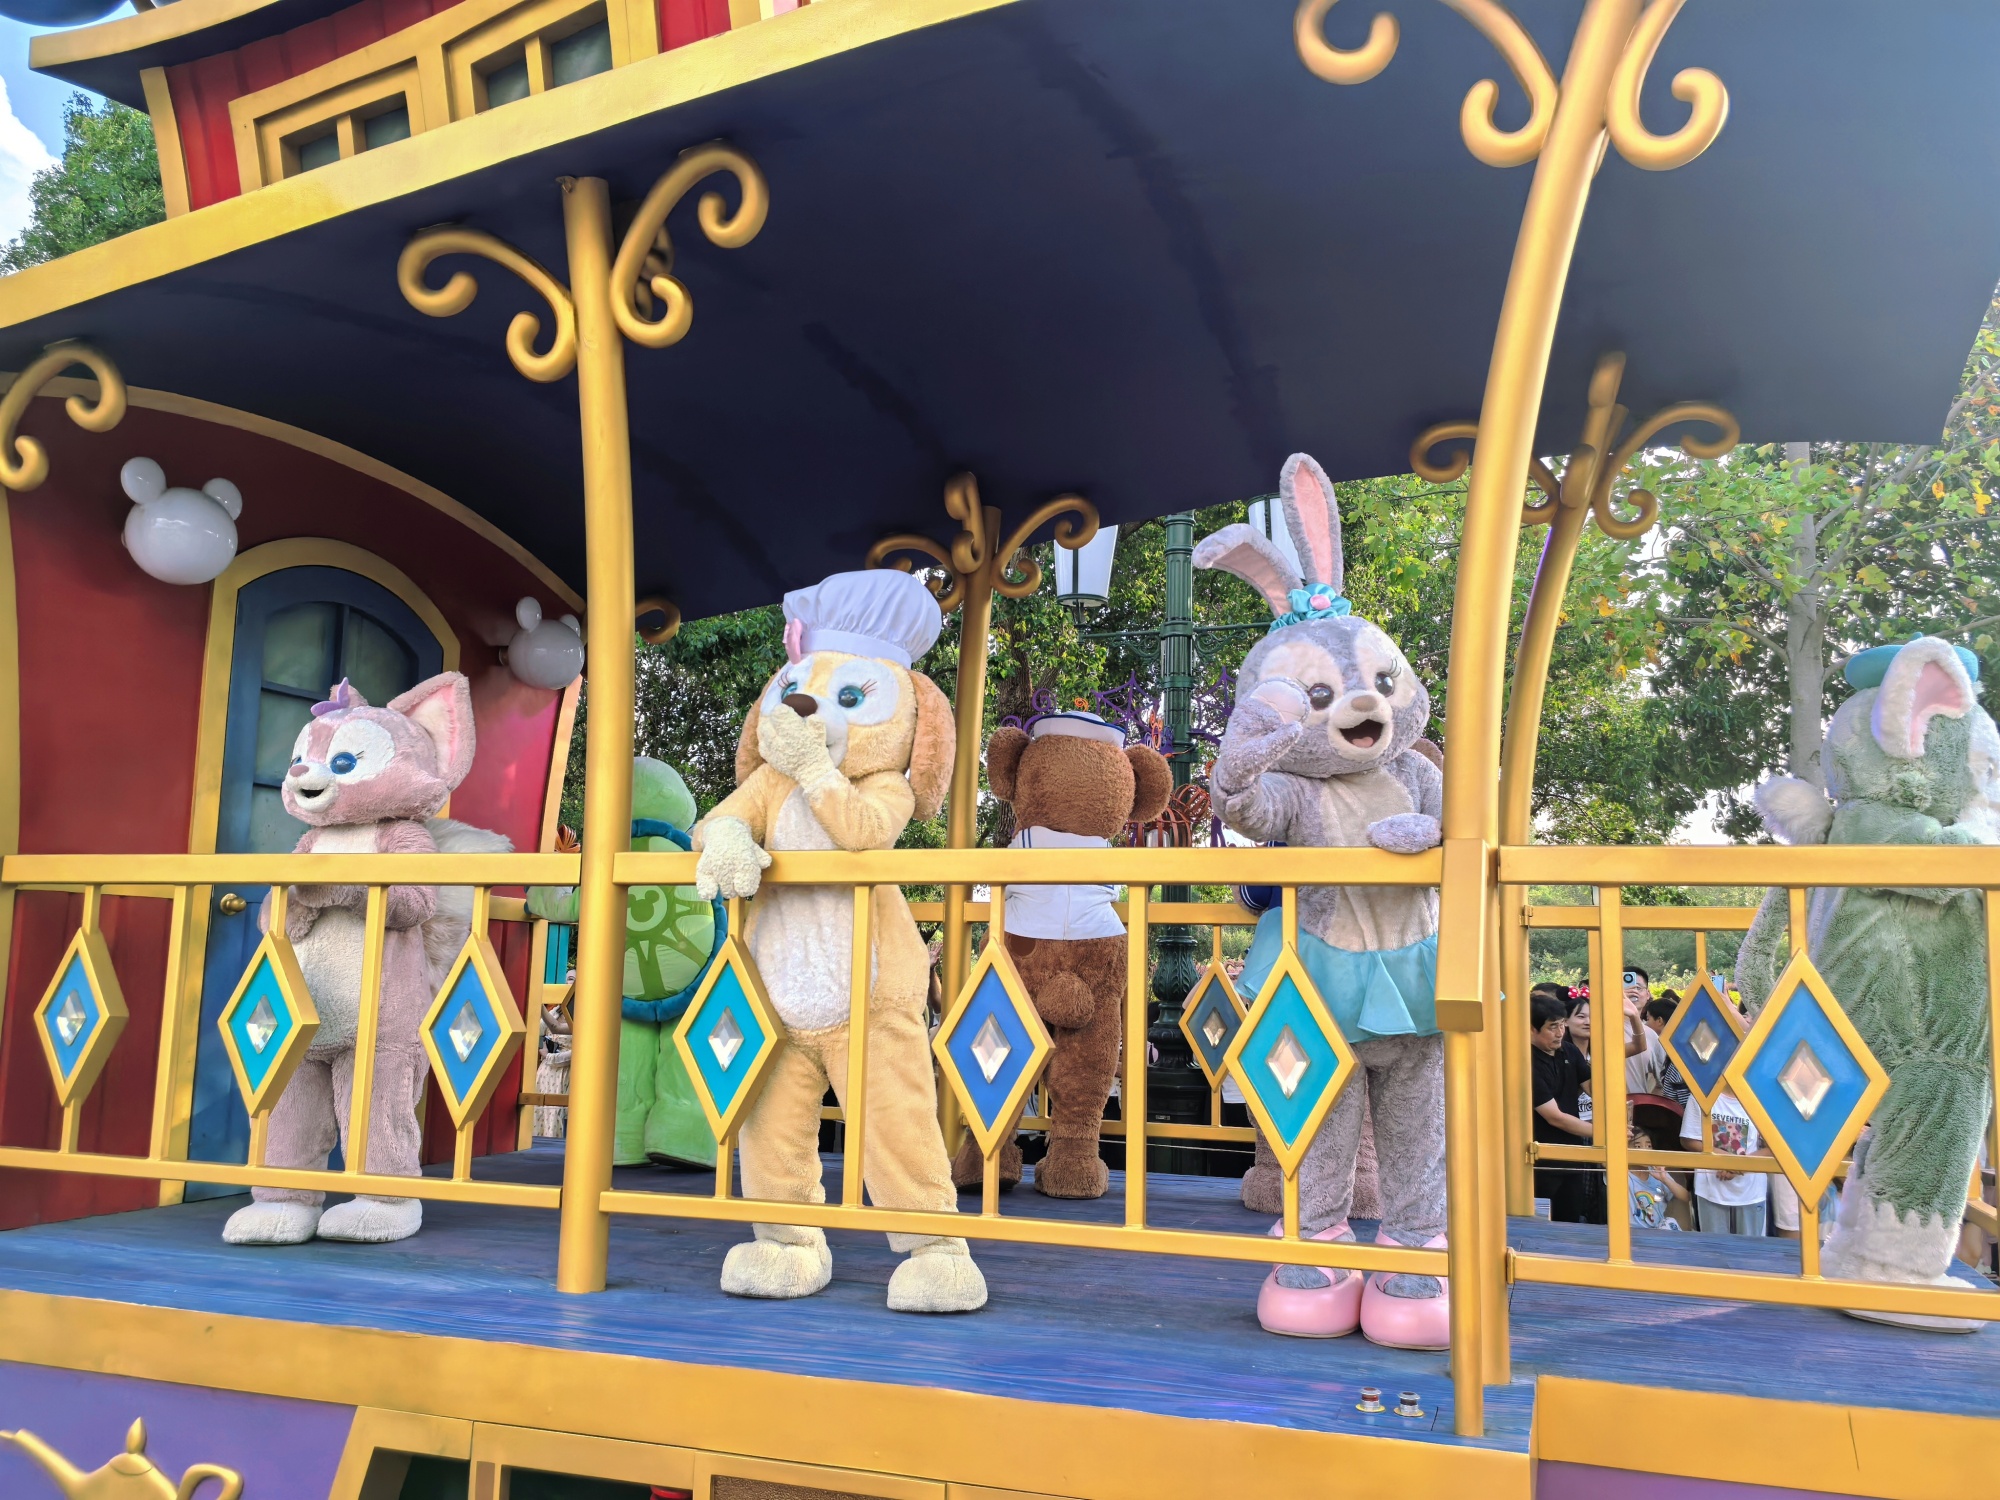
(30, 124)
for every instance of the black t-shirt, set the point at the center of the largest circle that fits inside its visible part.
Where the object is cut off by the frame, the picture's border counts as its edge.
(1557, 1077)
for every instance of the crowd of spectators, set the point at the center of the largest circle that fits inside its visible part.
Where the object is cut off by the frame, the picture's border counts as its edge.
(1662, 1116)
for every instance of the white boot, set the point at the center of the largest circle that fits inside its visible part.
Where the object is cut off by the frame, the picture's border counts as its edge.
(1870, 1243)
(282, 1223)
(938, 1277)
(372, 1221)
(781, 1262)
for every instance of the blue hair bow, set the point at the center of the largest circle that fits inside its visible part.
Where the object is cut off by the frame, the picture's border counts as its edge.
(1316, 603)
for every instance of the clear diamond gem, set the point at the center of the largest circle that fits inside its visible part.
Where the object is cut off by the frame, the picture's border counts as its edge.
(1704, 1041)
(1805, 1080)
(262, 1025)
(70, 1016)
(1214, 1030)
(1288, 1062)
(725, 1039)
(990, 1048)
(465, 1031)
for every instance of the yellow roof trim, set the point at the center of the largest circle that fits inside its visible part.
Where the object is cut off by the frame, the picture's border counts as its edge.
(147, 28)
(577, 111)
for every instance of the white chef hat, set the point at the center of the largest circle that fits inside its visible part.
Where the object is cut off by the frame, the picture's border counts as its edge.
(1081, 725)
(881, 612)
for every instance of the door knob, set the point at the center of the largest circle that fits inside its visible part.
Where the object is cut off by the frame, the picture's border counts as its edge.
(232, 904)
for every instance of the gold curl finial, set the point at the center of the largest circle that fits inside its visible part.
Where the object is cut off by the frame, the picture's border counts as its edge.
(1483, 138)
(24, 462)
(1014, 575)
(669, 615)
(645, 262)
(1587, 479)
(456, 295)
(1698, 88)
(1332, 63)
(1539, 513)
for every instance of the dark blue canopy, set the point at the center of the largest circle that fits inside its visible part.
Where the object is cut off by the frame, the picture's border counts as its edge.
(1132, 248)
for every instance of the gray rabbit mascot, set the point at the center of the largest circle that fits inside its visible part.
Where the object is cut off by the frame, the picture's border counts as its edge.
(1318, 753)
(1911, 758)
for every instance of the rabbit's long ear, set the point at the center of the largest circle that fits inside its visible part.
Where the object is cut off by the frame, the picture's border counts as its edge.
(1252, 557)
(1313, 513)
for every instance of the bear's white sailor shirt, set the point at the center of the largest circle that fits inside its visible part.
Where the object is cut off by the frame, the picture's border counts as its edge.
(1061, 911)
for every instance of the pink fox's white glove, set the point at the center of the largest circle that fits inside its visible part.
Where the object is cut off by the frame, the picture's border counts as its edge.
(731, 864)
(796, 748)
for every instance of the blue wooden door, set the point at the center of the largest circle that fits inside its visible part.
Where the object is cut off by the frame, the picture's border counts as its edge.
(298, 632)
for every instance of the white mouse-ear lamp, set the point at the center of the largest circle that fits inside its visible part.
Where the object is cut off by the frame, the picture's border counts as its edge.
(179, 535)
(544, 653)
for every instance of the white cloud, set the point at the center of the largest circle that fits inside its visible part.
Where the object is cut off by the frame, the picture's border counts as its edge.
(22, 155)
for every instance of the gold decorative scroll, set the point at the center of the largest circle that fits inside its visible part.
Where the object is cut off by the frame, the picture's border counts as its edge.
(456, 295)
(645, 264)
(1015, 575)
(1699, 88)
(24, 462)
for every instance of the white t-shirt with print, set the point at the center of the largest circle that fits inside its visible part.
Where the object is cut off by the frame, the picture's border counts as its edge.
(1735, 1135)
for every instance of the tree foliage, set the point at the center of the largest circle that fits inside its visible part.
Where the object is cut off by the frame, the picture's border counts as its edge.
(107, 184)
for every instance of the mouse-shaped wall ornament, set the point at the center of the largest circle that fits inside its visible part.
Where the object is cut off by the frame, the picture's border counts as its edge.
(1320, 752)
(545, 653)
(177, 534)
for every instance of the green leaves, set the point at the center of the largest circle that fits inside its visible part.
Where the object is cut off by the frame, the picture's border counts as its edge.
(107, 184)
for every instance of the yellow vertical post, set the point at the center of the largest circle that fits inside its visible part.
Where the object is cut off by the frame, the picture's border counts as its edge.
(1607, 1067)
(177, 1022)
(854, 1106)
(374, 925)
(607, 798)
(1507, 418)
(1132, 1096)
(975, 624)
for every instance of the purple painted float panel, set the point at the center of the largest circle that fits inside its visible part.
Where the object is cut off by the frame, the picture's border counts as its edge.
(1559, 1481)
(284, 1449)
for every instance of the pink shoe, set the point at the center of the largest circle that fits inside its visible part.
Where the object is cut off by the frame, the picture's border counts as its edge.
(1407, 1322)
(1322, 1312)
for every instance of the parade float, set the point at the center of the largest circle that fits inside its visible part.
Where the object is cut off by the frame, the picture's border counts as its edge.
(470, 316)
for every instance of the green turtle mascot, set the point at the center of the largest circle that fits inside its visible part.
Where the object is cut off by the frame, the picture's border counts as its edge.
(1909, 759)
(671, 934)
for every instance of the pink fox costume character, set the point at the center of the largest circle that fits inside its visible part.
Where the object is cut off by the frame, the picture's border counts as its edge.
(1319, 753)
(368, 780)
(846, 744)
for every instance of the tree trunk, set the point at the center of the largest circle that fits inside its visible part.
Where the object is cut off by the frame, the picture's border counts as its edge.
(1805, 638)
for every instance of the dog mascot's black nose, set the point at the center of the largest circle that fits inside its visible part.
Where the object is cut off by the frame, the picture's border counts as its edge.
(802, 704)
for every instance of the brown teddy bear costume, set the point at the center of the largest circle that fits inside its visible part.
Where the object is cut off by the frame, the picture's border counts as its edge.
(1074, 784)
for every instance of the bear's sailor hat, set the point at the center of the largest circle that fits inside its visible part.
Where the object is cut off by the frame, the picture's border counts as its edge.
(881, 613)
(1082, 725)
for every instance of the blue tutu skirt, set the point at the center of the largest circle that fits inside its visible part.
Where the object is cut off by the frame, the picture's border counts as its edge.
(1382, 992)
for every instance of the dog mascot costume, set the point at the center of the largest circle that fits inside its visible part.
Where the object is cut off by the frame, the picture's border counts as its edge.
(845, 746)
(1320, 752)
(1908, 760)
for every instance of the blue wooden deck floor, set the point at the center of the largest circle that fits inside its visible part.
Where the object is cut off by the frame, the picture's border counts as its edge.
(1152, 1333)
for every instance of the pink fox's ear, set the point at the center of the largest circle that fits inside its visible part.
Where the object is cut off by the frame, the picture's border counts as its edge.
(442, 708)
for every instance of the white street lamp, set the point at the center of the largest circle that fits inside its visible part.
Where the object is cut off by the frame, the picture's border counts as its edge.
(1083, 574)
(1267, 520)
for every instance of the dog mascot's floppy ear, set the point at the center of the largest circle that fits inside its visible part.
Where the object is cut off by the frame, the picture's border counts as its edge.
(934, 751)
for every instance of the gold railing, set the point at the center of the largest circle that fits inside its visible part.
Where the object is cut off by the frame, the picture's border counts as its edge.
(1796, 871)
(187, 881)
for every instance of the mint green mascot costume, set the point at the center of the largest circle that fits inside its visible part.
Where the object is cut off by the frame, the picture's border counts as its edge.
(670, 936)
(1909, 759)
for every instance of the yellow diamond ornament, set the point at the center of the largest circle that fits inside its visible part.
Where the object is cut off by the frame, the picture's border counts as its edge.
(1702, 1037)
(472, 1029)
(81, 1014)
(992, 1047)
(1290, 1060)
(1210, 1018)
(268, 1023)
(729, 1037)
(1807, 1078)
